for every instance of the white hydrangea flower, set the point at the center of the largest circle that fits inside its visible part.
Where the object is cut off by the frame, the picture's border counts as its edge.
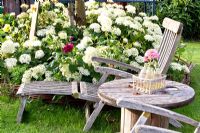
(60, 5)
(41, 33)
(84, 71)
(91, 5)
(10, 63)
(106, 23)
(142, 14)
(89, 53)
(186, 69)
(131, 52)
(64, 69)
(137, 44)
(26, 78)
(119, 13)
(62, 35)
(176, 66)
(37, 43)
(96, 27)
(8, 47)
(139, 59)
(116, 31)
(154, 18)
(149, 38)
(50, 30)
(130, 9)
(39, 54)
(86, 41)
(135, 64)
(38, 71)
(125, 40)
(138, 19)
(28, 44)
(25, 58)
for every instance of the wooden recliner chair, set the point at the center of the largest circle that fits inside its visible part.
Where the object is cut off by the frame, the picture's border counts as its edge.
(167, 49)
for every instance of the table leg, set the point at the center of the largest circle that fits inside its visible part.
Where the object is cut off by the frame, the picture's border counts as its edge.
(159, 121)
(128, 119)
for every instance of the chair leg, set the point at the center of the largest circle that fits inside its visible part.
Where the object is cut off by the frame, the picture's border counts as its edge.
(21, 109)
(93, 116)
(87, 110)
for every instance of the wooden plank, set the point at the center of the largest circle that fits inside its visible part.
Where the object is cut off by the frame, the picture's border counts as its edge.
(112, 71)
(34, 21)
(152, 129)
(83, 88)
(116, 63)
(21, 109)
(93, 116)
(156, 110)
(141, 121)
(172, 25)
(75, 92)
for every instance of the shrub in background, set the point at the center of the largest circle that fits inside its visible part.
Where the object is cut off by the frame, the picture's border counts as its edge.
(185, 11)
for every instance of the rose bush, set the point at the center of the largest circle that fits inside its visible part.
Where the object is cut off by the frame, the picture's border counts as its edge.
(63, 52)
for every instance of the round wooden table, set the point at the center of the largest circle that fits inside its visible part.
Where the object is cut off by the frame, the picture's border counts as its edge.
(174, 95)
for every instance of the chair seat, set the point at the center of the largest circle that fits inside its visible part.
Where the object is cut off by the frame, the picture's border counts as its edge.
(46, 87)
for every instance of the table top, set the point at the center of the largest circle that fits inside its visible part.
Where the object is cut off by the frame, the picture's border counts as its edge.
(173, 96)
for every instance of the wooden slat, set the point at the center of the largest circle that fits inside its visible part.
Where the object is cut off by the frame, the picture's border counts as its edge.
(116, 63)
(172, 25)
(152, 129)
(156, 110)
(141, 121)
(75, 92)
(34, 21)
(83, 88)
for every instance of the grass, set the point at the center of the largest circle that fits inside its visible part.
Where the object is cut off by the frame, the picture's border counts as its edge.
(44, 118)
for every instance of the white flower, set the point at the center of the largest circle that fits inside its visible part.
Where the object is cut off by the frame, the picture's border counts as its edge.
(8, 47)
(62, 35)
(154, 18)
(84, 71)
(38, 71)
(149, 38)
(137, 44)
(16, 44)
(139, 59)
(7, 28)
(135, 64)
(37, 43)
(131, 9)
(10, 63)
(28, 44)
(89, 53)
(96, 27)
(26, 78)
(138, 19)
(116, 31)
(25, 58)
(142, 14)
(185, 69)
(64, 69)
(131, 52)
(41, 33)
(50, 30)
(176, 66)
(39, 54)
(106, 23)
(60, 5)
(125, 40)
(86, 41)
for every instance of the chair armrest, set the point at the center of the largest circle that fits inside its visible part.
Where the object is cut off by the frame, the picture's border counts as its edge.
(136, 105)
(116, 63)
(112, 71)
(152, 129)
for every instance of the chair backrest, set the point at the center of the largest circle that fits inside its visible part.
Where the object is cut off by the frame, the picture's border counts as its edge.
(171, 37)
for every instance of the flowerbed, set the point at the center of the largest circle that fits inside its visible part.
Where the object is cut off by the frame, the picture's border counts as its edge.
(63, 52)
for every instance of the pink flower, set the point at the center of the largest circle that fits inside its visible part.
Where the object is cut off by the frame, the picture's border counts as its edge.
(146, 59)
(151, 54)
(68, 47)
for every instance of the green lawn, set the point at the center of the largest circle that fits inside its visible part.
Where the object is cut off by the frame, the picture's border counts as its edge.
(46, 118)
